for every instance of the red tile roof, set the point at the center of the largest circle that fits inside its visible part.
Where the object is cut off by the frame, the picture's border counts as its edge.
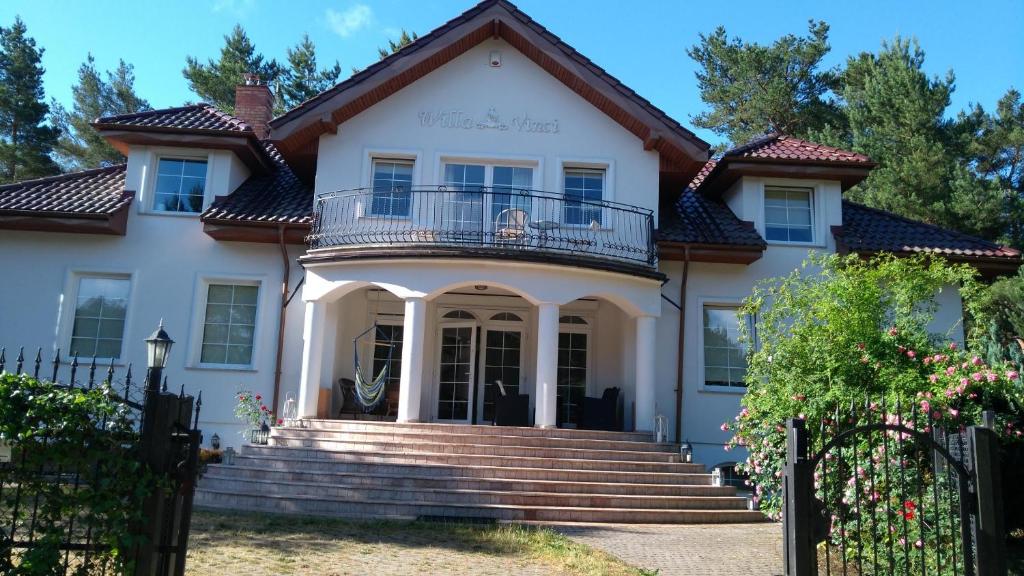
(698, 219)
(781, 147)
(192, 118)
(869, 230)
(98, 192)
(279, 198)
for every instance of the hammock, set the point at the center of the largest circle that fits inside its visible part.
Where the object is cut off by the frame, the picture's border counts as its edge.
(370, 393)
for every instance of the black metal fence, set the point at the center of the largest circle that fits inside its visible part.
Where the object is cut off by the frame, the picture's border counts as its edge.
(891, 491)
(163, 437)
(494, 219)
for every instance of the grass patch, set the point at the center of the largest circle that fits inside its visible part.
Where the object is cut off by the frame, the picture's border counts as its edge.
(252, 544)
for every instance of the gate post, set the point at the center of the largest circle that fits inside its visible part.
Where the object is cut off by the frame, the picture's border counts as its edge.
(988, 526)
(800, 558)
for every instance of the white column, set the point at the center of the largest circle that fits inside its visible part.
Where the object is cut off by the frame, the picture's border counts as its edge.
(645, 348)
(313, 333)
(547, 365)
(414, 333)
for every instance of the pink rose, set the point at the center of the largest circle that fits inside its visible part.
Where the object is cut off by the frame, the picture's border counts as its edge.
(952, 345)
(911, 354)
(950, 370)
(991, 376)
(976, 376)
(1012, 375)
(893, 331)
(926, 406)
(934, 378)
(976, 361)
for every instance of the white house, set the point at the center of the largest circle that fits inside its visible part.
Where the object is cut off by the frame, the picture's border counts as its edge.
(496, 204)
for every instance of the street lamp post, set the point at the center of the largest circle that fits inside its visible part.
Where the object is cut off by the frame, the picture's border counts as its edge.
(158, 348)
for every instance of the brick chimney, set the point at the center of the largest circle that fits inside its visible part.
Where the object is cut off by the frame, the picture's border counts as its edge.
(254, 104)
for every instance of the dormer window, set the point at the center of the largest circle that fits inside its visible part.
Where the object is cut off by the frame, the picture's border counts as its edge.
(788, 214)
(180, 185)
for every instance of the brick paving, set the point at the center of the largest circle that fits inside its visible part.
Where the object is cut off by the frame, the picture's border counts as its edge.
(689, 550)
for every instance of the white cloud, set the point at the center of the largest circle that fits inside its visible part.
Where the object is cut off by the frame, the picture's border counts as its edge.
(240, 8)
(348, 21)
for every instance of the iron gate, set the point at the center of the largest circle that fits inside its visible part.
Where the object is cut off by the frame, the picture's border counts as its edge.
(893, 494)
(161, 434)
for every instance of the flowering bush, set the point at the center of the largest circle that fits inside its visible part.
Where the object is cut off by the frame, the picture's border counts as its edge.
(252, 411)
(843, 332)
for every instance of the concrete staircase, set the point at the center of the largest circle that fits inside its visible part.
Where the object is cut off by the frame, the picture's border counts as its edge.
(386, 470)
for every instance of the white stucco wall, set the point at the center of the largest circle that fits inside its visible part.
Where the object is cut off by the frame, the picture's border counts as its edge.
(516, 90)
(167, 257)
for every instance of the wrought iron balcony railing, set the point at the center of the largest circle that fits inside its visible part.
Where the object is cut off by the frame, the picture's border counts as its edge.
(486, 219)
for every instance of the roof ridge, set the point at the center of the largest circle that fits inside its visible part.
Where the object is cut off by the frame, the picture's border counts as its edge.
(143, 113)
(754, 143)
(936, 227)
(66, 175)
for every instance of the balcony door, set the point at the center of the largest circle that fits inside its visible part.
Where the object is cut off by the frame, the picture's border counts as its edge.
(456, 368)
(470, 214)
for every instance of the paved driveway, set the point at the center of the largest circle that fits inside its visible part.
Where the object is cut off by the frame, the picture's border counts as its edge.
(689, 550)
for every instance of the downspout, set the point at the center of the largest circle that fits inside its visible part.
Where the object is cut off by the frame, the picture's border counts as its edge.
(682, 339)
(278, 363)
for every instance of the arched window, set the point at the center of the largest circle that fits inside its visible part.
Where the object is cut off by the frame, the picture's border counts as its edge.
(459, 315)
(506, 317)
(572, 320)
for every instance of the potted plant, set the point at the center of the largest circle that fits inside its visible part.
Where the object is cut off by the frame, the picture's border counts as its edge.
(256, 415)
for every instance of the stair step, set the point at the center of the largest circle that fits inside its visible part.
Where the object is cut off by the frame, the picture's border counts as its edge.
(321, 506)
(434, 427)
(384, 493)
(370, 452)
(363, 462)
(438, 478)
(486, 437)
(374, 444)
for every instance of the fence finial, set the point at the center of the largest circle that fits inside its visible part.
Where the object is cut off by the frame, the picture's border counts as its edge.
(39, 362)
(199, 404)
(92, 373)
(128, 382)
(21, 360)
(110, 373)
(56, 366)
(74, 370)
(3, 358)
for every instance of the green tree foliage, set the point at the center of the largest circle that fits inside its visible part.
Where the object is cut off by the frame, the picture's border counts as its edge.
(26, 141)
(753, 89)
(215, 81)
(844, 331)
(80, 145)
(301, 79)
(393, 46)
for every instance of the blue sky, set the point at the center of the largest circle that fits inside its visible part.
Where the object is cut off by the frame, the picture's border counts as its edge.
(642, 43)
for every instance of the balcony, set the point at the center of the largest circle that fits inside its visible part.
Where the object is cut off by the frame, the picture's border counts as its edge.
(481, 222)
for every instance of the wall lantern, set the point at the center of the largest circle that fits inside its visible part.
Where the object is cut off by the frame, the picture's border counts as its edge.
(215, 442)
(686, 452)
(158, 347)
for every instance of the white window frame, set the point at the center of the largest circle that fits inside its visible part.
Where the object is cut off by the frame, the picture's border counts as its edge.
(702, 303)
(819, 234)
(147, 206)
(608, 194)
(200, 295)
(69, 306)
(370, 155)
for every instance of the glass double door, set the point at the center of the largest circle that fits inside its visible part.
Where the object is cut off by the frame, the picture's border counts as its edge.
(470, 213)
(463, 397)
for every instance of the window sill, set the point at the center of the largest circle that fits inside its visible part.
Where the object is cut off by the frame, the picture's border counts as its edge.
(731, 391)
(221, 368)
(385, 218)
(794, 244)
(172, 214)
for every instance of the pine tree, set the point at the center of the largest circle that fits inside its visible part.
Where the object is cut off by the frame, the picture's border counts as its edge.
(753, 89)
(403, 40)
(80, 145)
(215, 81)
(301, 79)
(25, 140)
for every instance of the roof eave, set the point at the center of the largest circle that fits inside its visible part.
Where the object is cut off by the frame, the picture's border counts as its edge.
(712, 253)
(113, 223)
(244, 145)
(728, 170)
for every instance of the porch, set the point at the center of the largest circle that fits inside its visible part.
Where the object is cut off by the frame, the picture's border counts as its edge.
(456, 339)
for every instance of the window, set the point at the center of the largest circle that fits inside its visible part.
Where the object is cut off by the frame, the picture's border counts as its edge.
(392, 183)
(506, 317)
(100, 310)
(572, 320)
(788, 214)
(180, 185)
(511, 185)
(584, 192)
(230, 324)
(572, 376)
(459, 315)
(464, 206)
(725, 357)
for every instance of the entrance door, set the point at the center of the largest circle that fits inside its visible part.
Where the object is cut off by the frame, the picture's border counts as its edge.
(455, 372)
(502, 360)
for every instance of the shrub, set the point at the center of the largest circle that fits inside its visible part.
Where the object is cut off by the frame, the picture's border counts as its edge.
(76, 466)
(844, 332)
